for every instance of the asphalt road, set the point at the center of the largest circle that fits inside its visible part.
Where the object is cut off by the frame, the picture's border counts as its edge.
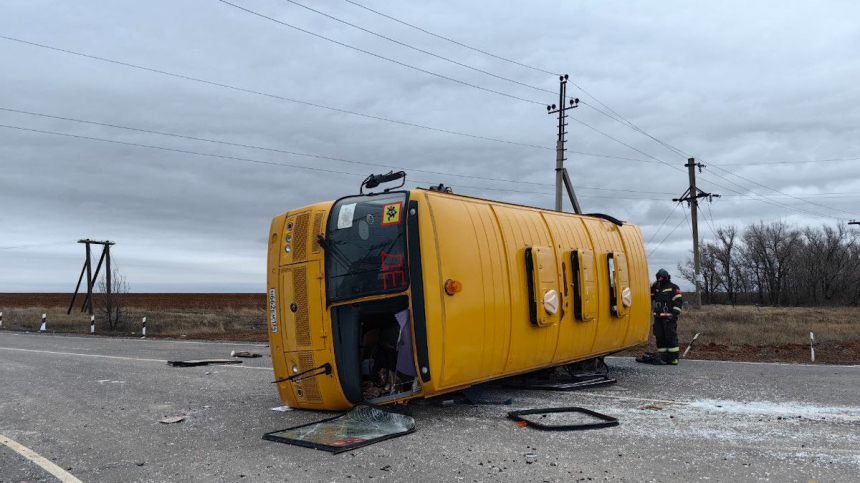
(93, 405)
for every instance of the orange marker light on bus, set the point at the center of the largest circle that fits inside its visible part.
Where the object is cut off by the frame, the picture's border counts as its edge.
(453, 287)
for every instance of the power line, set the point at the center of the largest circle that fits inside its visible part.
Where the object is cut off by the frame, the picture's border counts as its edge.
(295, 153)
(33, 245)
(667, 236)
(403, 44)
(629, 124)
(286, 165)
(321, 106)
(252, 12)
(842, 194)
(833, 160)
(782, 193)
(664, 222)
(617, 117)
(538, 69)
(273, 96)
(712, 223)
(378, 56)
(683, 153)
(763, 198)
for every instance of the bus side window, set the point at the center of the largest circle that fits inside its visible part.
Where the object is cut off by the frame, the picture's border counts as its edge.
(585, 301)
(577, 284)
(613, 299)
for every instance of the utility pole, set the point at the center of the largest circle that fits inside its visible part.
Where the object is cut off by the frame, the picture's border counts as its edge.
(92, 277)
(561, 176)
(691, 196)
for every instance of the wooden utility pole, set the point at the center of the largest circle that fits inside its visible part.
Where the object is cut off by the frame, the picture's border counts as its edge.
(691, 196)
(561, 176)
(92, 277)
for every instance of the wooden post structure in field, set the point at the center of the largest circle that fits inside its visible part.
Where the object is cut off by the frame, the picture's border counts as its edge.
(92, 277)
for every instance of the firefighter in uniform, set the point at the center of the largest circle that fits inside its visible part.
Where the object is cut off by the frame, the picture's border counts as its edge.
(667, 302)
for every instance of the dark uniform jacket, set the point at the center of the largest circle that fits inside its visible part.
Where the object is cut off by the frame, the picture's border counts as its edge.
(667, 299)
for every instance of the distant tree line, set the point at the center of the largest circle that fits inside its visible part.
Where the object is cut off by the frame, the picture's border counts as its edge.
(779, 264)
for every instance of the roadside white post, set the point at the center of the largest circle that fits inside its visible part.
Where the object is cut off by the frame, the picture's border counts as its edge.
(92, 324)
(44, 326)
(1, 320)
(690, 346)
(812, 345)
(144, 327)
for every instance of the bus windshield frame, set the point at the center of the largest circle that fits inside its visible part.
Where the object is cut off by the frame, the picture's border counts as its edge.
(365, 247)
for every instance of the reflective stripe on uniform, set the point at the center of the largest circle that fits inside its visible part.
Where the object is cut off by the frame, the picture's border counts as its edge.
(668, 289)
(677, 309)
(662, 350)
(677, 297)
(673, 349)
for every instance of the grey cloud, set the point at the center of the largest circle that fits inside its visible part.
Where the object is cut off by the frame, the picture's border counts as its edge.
(731, 83)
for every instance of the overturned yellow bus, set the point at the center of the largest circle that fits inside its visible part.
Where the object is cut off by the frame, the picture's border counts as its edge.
(402, 294)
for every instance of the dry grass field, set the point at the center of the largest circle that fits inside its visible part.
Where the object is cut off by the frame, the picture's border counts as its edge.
(778, 334)
(201, 316)
(733, 333)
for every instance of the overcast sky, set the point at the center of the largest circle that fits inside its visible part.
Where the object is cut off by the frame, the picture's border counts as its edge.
(732, 83)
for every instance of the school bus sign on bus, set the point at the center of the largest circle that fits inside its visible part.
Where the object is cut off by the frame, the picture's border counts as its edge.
(402, 294)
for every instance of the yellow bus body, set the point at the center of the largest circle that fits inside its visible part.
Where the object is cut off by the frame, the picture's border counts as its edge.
(485, 331)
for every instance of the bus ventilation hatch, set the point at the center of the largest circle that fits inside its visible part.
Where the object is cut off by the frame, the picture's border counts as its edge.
(300, 288)
(300, 235)
(309, 386)
(318, 218)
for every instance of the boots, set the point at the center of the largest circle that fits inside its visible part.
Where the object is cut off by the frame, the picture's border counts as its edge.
(670, 358)
(646, 358)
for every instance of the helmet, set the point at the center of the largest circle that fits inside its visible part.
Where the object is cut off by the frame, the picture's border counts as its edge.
(663, 273)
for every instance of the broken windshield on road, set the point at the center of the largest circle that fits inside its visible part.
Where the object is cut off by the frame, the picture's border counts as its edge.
(365, 246)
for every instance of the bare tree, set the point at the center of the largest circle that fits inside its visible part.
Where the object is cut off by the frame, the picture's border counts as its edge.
(770, 250)
(114, 302)
(775, 263)
(727, 260)
(710, 276)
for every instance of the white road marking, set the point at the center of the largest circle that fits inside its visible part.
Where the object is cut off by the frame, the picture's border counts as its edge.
(793, 364)
(61, 474)
(136, 339)
(628, 398)
(102, 356)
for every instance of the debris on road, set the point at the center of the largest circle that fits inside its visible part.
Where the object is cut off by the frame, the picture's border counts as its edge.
(202, 362)
(282, 409)
(603, 421)
(360, 426)
(565, 378)
(173, 419)
(247, 354)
